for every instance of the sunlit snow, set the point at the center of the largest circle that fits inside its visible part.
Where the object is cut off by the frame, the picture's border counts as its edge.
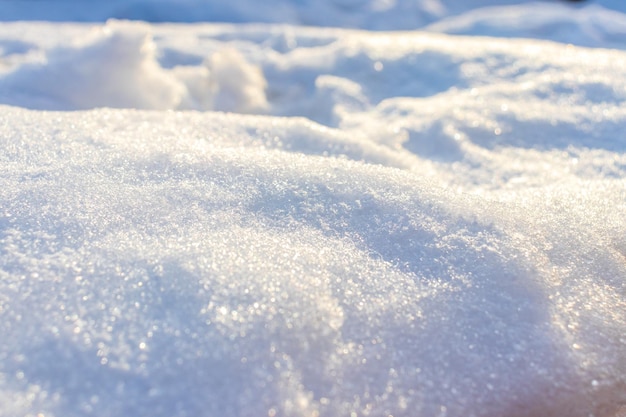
(271, 219)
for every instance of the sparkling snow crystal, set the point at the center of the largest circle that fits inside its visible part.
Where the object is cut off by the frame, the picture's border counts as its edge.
(407, 224)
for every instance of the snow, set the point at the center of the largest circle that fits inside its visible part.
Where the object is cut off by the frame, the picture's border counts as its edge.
(268, 219)
(592, 26)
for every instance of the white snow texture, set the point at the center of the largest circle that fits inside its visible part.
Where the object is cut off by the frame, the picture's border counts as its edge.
(268, 219)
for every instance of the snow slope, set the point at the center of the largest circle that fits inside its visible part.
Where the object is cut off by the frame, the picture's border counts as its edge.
(271, 220)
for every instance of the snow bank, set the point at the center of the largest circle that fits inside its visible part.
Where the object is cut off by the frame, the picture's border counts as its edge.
(186, 274)
(452, 252)
(437, 233)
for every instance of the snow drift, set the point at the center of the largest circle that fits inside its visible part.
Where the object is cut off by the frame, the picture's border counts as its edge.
(182, 275)
(412, 224)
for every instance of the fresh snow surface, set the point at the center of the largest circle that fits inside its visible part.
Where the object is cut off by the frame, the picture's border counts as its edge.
(226, 220)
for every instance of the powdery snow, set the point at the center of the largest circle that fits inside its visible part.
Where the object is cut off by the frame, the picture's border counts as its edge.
(408, 223)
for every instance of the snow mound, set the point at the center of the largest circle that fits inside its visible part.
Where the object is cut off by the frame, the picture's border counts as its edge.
(116, 66)
(238, 85)
(169, 275)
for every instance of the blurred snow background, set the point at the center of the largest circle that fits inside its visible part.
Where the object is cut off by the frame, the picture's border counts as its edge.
(485, 15)
(272, 219)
